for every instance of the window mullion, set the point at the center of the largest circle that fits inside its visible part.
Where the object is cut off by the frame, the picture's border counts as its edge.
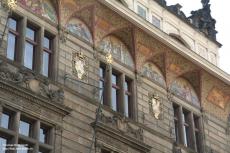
(181, 125)
(38, 51)
(192, 131)
(36, 135)
(21, 41)
(108, 86)
(121, 98)
(15, 127)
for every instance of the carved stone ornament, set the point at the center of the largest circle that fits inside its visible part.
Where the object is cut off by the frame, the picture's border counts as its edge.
(155, 105)
(79, 65)
(122, 125)
(27, 79)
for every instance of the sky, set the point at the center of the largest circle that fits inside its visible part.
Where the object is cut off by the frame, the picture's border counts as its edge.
(220, 11)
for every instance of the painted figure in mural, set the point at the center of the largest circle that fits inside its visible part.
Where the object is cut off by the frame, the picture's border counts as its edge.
(33, 5)
(152, 72)
(119, 51)
(40, 7)
(184, 90)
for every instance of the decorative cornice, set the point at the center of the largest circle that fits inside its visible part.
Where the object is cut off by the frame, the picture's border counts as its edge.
(122, 130)
(164, 38)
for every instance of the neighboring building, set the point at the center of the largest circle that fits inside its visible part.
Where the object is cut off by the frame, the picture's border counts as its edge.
(163, 92)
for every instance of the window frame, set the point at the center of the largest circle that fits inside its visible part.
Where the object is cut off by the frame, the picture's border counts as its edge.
(119, 87)
(139, 5)
(188, 122)
(16, 34)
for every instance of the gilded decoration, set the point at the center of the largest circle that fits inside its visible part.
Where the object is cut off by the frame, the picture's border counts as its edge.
(79, 65)
(183, 89)
(41, 7)
(155, 106)
(78, 28)
(152, 72)
(118, 50)
(218, 97)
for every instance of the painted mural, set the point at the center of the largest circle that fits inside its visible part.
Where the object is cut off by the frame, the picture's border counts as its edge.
(183, 89)
(78, 28)
(40, 7)
(152, 72)
(217, 97)
(117, 49)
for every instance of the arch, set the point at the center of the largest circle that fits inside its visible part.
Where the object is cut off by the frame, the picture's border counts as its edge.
(79, 28)
(118, 49)
(44, 8)
(152, 72)
(180, 40)
(182, 88)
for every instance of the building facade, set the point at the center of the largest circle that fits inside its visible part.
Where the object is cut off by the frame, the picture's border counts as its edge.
(111, 76)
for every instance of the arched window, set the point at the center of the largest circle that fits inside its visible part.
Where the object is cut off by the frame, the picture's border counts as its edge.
(41, 7)
(78, 28)
(180, 40)
(183, 89)
(152, 72)
(118, 49)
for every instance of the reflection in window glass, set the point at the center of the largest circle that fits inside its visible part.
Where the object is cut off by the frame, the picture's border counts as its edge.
(46, 42)
(28, 57)
(12, 24)
(114, 99)
(30, 33)
(11, 42)
(45, 65)
(24, 128)
(23, 148)
(126, 105)
(3, 143)
(43, 135)
(142, 11)
(5, 119)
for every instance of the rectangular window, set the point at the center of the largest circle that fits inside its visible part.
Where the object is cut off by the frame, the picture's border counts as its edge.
(115, 92)
(30, 48)
(44, 134)
(156, 22)
(142, 11)
(3, 146)
(12, 39)
(5, 120)
(186, 128)
(176, 122)
(25, 128)
(127, 102)
(46, 57)
(101, 82)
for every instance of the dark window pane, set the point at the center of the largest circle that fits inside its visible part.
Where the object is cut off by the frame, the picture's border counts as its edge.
(105, 151)
(176, 131)
(12, 24)
(3, 146)
(11, 46)
(30, 33)
(5, 119)
(28, 57)
(114, 99)
(46, 42)
(126, 105)
(114, 79)
(197, 142)
(24, 128)
(43, 135)
(45, 65)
